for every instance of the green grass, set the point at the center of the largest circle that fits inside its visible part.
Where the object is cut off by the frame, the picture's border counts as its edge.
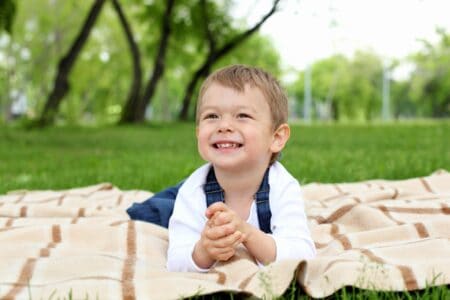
(151, 157)
(154, 156)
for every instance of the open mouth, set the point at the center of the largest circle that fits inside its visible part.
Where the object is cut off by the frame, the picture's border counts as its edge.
(227, 145)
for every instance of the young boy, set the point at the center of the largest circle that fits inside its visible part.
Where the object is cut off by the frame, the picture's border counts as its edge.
(241, 128)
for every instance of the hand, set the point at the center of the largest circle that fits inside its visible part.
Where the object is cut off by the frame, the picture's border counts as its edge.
(215, 244)
(218, 243)
(220, 215)
(219, 238)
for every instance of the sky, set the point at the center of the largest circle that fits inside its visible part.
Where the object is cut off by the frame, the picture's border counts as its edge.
(304, 31)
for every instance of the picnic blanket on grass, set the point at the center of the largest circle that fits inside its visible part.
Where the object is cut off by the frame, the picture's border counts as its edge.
(378, 234)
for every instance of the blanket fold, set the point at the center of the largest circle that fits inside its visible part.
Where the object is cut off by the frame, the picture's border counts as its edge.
(377, 234)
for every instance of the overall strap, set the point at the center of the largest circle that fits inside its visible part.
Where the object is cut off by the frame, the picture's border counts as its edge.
(263, 205)
(214, 193)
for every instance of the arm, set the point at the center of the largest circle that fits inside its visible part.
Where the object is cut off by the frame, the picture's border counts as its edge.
(261, 245)
(290, 239)
(289, 224)
(185, 227)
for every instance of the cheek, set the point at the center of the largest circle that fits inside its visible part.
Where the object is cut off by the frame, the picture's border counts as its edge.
(202, 136)
(202, 140)
(258, 135)
(202, 149)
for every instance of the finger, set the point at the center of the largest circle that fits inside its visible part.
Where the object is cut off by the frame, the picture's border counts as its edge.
(210, 222)
(240, 239)
(209, 213)
(215, 253)
(222, 217)
(216, 232)
(243, 238)
(215, 207)
(231, 240)
(226, 255)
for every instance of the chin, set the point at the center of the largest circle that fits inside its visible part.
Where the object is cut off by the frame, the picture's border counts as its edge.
(232, 166)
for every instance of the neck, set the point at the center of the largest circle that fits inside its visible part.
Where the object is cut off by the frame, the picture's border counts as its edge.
(240, 185)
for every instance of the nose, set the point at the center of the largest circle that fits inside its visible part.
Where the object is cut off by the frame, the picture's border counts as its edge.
(225, 125)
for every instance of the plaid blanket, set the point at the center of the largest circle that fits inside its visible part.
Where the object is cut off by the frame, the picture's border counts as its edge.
(378, 234)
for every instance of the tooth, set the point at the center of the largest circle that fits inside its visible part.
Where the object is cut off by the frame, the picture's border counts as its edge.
(226, 145)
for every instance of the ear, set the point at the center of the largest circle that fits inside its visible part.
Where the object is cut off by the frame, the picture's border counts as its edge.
(280, 137)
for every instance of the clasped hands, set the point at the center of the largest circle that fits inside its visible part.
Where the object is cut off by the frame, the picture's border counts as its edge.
(223, 232)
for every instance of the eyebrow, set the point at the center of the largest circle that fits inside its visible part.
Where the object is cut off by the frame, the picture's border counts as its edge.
(213, 107)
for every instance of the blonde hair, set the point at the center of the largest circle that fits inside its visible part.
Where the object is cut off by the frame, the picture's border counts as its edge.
(237, 77)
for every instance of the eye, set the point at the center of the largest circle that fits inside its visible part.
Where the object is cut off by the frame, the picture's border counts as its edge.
(210, 116)
(243, 116)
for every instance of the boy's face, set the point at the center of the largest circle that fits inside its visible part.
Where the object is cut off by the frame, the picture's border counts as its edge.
(234, 130)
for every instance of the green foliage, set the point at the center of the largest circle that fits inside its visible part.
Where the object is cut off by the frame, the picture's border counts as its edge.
(101, 77)
(39, 39)
(7, 14)
(188, 47)
(349, 89)
(37, 35)
(430, 83)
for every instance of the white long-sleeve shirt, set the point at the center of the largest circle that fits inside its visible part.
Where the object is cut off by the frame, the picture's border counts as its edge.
(288, 223)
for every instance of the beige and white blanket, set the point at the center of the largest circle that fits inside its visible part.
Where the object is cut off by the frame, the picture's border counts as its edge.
(384, 235)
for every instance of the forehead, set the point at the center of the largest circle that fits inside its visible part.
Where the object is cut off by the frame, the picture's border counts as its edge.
(221, 94)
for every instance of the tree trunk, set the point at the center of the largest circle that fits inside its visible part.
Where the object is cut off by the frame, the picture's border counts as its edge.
(200, 73)
(61, 85)
(158, 71)
(214, 55)
(128, 112)
(335, 110)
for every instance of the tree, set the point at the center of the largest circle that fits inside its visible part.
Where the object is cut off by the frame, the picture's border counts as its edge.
(366, 70)
(430, 83)
(350, 88)
(134, 110)
(330, 78)
(61, 85)
(133, 100)
(215, 52)
(108, 71)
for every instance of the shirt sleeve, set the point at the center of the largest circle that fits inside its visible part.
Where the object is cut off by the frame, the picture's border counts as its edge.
(290, 226)
(185, 227)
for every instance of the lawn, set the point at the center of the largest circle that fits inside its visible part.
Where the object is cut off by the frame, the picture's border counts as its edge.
(151, 157)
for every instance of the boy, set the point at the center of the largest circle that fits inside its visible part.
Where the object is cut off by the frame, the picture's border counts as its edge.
(241, 128)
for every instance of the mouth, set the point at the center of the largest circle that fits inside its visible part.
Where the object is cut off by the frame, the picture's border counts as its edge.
(227, 145)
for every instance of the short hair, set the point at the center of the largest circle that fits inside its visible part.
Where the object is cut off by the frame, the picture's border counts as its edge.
(238, 76)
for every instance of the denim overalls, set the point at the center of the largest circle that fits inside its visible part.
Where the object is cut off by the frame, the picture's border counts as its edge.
(159, 207)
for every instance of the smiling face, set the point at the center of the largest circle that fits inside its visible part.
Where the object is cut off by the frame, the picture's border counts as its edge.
(235, 128)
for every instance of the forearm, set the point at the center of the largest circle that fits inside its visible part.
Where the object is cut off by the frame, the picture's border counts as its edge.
(262, 246)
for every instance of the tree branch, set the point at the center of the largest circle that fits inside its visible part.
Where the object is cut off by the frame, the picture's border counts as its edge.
(215, 55)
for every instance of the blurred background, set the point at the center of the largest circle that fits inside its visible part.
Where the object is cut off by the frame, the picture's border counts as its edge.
(110, 61)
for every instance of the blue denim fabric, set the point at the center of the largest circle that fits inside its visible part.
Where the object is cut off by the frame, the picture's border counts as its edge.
(159, 207)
